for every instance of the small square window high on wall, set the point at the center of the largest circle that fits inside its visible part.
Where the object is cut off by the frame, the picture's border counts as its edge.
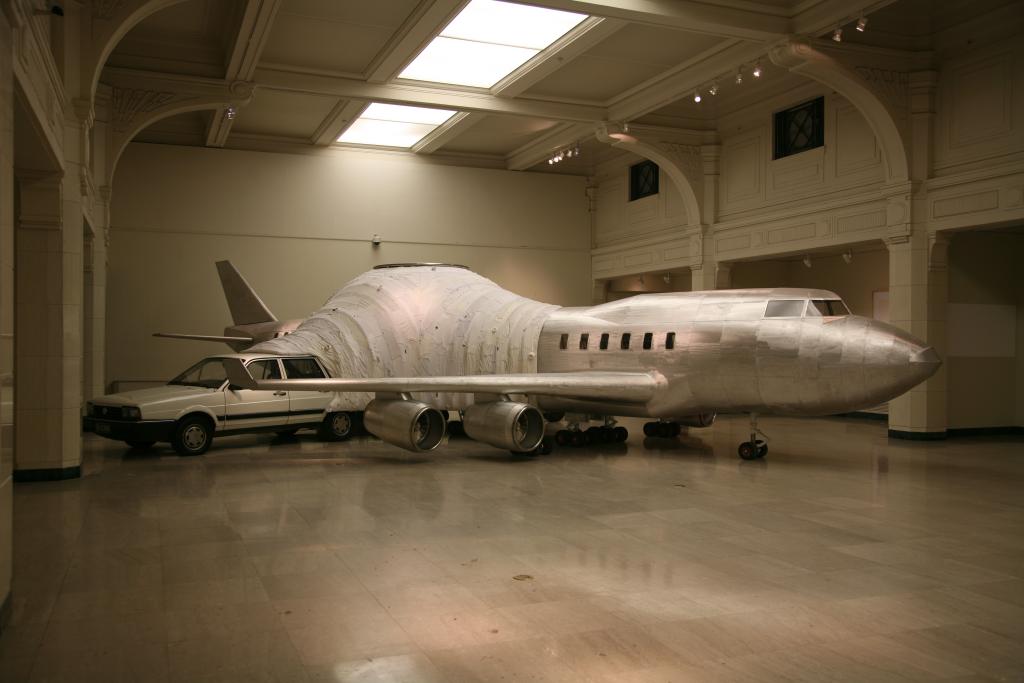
(800, 128)
(643, 180)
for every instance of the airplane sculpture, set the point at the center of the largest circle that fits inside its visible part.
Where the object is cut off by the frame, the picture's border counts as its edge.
(406, 342)
(253, 321)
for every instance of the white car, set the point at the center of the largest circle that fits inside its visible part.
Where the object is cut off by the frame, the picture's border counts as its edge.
(199, 403)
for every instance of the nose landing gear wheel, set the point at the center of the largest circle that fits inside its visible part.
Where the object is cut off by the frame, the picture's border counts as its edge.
(753, 451)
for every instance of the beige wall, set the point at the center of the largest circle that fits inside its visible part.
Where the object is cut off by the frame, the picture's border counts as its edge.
(985, 385)
(855, 282)
(299, 226)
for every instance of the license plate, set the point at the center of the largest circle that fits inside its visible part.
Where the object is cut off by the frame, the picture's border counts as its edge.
(102, 429)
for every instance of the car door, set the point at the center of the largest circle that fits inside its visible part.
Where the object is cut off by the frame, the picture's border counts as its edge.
(306, 406)
(256, 409)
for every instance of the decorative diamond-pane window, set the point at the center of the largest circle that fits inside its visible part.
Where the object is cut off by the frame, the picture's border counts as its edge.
(800, 128)
(643, 180)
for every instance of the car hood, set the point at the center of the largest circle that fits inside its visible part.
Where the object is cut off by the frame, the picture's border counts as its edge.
(152, 395)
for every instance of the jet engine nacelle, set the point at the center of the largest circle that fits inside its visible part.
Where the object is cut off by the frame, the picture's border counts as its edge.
(698, 420)
(411, 425)
(504, 424)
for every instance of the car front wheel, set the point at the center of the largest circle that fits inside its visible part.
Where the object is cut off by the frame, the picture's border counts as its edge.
(337, 426)
(193, 435)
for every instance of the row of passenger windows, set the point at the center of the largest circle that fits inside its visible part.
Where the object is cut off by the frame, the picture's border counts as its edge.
(624, 341)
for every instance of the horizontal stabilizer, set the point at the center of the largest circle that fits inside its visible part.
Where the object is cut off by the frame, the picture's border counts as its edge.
(247, 308)
(205, 337)
(629, 387)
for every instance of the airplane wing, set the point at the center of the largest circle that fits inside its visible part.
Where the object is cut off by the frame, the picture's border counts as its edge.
(205, 337)
(629, 387)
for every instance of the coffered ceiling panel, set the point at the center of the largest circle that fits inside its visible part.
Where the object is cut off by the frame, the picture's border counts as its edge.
(334, 36)
(498, 134)
(627, 58)
(190, 37)
(283, 114)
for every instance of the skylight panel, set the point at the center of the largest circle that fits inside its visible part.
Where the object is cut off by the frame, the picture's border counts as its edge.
(487, 41)
(394, 125)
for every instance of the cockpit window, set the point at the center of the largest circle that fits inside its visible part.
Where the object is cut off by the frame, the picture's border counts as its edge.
(827, 307)
(785, 309)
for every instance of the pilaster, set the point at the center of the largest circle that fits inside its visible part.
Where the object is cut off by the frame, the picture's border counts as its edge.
(48, 323)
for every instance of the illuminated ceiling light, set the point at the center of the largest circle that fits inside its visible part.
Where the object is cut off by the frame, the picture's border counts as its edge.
(394, 125)
(230, 113)
(848, 256)
(487, 41)
(713, 90)
(837, 35)
(696, 96)
(862, 24)
(739, 77)
(807, 261)
(757, 70)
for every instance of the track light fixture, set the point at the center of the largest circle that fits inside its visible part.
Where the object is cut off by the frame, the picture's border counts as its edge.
(807, 261)
(567, 153)
(696, 96)
(713, 90)
(848, 256)
(862, 23)
(739, 76)
(837, 35)
(756, 73)
(230, 113)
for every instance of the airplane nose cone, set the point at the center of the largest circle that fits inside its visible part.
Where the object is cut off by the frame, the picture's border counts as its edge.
(926, 356)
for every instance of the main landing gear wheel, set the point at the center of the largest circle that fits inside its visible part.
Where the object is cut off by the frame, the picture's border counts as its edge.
(663, 430)
(754, 449)
(592, 436)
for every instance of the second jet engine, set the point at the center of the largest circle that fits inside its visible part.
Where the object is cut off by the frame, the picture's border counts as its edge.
(411, 425)
(505, 424)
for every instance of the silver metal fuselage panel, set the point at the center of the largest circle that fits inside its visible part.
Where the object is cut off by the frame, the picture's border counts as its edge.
(728, 357)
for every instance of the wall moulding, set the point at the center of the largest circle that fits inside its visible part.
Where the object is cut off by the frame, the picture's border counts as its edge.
(671, 254)
(976, 204)
(41, 86)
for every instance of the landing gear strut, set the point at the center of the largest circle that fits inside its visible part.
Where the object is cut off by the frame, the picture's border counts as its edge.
(755, 448)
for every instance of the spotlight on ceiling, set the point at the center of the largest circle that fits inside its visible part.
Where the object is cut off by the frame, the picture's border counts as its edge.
(739, 77)
(837, 35)
(230, 113)
(862, 24)
(667, 277)
(713, 90)
(807, 261)
(696, 96)
(756, 73)
(848, 256)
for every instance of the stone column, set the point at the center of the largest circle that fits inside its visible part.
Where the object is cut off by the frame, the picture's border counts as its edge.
(6, 314)
(48, 322)
(918, 292)
(94, 304)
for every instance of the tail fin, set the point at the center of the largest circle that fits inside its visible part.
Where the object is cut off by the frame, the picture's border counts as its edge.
(246, 306)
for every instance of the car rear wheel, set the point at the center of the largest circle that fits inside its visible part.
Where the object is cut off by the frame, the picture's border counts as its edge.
(337, 426)
(193, 435)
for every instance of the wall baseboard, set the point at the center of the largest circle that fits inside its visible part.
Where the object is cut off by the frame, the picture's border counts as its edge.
(985, 431)
(48, 474)
(916, 436)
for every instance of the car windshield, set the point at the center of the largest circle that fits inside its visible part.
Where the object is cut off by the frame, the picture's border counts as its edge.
(208, 373)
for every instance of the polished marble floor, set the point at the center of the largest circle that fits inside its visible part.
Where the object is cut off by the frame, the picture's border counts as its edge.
(843, 556)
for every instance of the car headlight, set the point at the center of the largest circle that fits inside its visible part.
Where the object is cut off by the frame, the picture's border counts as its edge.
(132, 413)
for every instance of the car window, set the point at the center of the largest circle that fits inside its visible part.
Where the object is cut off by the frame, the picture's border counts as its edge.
(264, 369)
(302, 368)
(208, 373)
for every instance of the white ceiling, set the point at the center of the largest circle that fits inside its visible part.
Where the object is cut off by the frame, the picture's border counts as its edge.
(321, 61)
